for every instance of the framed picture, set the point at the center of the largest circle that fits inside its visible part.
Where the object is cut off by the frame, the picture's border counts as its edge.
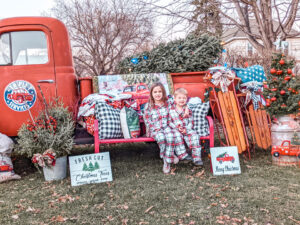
(133, 84)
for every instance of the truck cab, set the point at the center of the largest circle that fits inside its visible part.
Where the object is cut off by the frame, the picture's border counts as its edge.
(35, 60)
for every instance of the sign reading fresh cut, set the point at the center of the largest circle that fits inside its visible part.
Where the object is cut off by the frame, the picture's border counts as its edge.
(89, 169)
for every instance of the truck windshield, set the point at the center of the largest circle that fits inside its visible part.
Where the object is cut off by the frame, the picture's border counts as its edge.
(129, 89)
(23, 48)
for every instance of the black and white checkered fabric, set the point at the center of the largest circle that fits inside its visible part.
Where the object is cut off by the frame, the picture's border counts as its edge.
(199, 116)
(109, 121)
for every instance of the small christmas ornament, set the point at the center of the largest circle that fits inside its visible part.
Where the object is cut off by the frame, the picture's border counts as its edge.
(287, 78)
(273, 71)
(281, 62)
(246, 64)
(289, 71)
(134, 61)
(265, 86)
(293, 75)
(273, 99)
(283, 105)
(279, 72)
(299, 103)
(268, 104)
(274, 78)
(282, 92)
(274, 89)
(289, 89)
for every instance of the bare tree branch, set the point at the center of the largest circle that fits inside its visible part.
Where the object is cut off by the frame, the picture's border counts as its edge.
(102, 32)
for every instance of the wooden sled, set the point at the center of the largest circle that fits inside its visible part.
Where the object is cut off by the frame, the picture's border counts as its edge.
(259, 125)
(232, 120)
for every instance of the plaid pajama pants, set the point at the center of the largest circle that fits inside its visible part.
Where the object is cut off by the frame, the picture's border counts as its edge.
(170, 141)
(192, 139)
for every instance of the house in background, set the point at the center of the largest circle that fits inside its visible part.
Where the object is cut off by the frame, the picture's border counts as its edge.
(236, 40)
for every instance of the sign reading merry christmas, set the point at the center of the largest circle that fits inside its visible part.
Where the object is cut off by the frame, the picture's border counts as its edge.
(225, 160)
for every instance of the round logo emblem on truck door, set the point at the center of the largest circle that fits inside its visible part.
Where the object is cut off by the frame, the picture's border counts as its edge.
(19, 95)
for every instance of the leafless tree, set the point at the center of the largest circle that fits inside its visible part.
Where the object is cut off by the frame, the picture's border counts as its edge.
(102, 32)
(263, 21)
(234, 58)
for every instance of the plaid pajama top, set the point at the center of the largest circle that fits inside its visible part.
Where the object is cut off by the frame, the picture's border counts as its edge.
(170, 140)
(176, 119)
(156, 118)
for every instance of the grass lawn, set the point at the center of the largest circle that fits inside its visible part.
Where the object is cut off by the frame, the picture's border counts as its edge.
(142, 194)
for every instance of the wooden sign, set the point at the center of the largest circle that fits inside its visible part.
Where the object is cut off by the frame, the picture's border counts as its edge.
(225, 160)
(89, 169)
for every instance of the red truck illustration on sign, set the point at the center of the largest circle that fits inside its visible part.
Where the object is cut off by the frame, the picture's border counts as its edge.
(20, 97)
(286, 149)
(139, 92)
(225, 157)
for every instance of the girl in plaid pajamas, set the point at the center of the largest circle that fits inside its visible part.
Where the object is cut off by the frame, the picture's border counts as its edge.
(184, 124)
(156, 119)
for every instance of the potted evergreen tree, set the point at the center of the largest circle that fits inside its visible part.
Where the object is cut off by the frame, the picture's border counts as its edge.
(47, 140)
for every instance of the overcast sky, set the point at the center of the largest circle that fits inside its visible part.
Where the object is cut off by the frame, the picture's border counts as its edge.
(15, 8)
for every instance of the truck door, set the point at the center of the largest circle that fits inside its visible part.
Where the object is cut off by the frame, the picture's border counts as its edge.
(26, 67)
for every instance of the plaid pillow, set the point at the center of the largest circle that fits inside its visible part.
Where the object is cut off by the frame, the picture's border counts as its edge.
(199, 117)
(109, 121)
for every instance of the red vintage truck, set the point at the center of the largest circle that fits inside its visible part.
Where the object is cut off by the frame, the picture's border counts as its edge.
(286, 149)
(35, 58)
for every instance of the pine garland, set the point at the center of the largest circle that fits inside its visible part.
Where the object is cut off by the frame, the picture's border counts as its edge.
(194, 53)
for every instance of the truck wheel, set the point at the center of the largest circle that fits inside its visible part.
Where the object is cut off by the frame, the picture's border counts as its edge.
(276, 154)
(220, 161)
(232, 161)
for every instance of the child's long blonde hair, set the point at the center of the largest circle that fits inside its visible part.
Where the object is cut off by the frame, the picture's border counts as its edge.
(151, 99)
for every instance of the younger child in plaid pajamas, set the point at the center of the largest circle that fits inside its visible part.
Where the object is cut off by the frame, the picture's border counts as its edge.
(184, 124)
(156, 119)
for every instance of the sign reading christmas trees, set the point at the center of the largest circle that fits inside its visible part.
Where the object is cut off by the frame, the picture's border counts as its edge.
(225, 160)
(89, 169)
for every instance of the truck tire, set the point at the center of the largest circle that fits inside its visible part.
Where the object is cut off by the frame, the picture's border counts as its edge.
(276, 154)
